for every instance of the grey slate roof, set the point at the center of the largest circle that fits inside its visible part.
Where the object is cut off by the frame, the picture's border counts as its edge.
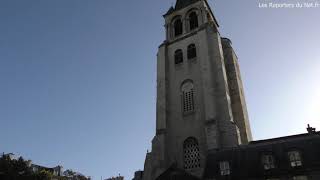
(180, 4)
(245, 160)
(171, 10)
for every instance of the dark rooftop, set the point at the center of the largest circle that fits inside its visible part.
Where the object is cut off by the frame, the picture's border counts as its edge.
(286, 138)
(184, 3)
(180, 4)
(246, 159)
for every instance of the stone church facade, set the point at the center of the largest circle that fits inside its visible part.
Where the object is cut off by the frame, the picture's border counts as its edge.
(201, 108)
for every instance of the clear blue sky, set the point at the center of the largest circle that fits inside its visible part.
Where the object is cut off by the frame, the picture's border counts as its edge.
(77, 77)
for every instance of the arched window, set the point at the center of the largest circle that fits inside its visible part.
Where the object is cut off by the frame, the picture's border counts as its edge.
(193, 20)
(177, 27)
(187, 97)
(192, 51)
(178, 56)
(191, 153)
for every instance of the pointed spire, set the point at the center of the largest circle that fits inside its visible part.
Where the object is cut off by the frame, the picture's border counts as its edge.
(180, 4)
(170, 10)
(184, 3)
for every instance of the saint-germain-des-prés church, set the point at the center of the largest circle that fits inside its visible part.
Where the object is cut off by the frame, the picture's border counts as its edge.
(202, 124)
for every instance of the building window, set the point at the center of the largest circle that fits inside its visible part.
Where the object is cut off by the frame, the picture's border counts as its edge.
(192, 51)
(178, 56)
(187, 97)
(191, 154)
(224, 168)
(295, 158)
(177, 27)
(300, 178)
(268, 162)
(193, 20)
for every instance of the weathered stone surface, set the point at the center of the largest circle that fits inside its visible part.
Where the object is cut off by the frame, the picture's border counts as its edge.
(211, 122)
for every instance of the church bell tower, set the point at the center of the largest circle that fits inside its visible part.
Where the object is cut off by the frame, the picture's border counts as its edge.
(200, 100)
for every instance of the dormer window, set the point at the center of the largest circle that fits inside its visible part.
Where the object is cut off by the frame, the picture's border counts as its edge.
(193, 20)
(268, 161)
(294, 158)
(192, 51)
(224, 168)
(300, 178)
(178, 56)
(177, 27)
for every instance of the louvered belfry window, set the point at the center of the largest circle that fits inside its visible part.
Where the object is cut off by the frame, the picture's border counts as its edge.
(178, 56)
(191, 154)
(188, 97)
(193, 20)
(177, 27)
(192, 51)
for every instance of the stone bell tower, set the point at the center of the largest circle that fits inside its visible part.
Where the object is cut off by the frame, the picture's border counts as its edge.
(200, 101)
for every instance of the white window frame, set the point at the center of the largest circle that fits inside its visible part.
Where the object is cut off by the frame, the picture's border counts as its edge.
(224, 168)
(295, 158)
(300, 178)
(268, 161)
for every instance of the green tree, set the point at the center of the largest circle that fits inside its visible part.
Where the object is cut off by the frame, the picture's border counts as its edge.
(69, 173)
(44, 175)
(19, 169)
(74, 176)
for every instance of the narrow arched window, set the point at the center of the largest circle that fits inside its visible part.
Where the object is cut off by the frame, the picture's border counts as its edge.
(177, 27)
(191, 153)
(192, 51)
(193, 20)
(187, 97)
(178, 56)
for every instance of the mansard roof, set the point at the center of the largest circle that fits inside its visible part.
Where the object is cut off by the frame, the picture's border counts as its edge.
(245, 160)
